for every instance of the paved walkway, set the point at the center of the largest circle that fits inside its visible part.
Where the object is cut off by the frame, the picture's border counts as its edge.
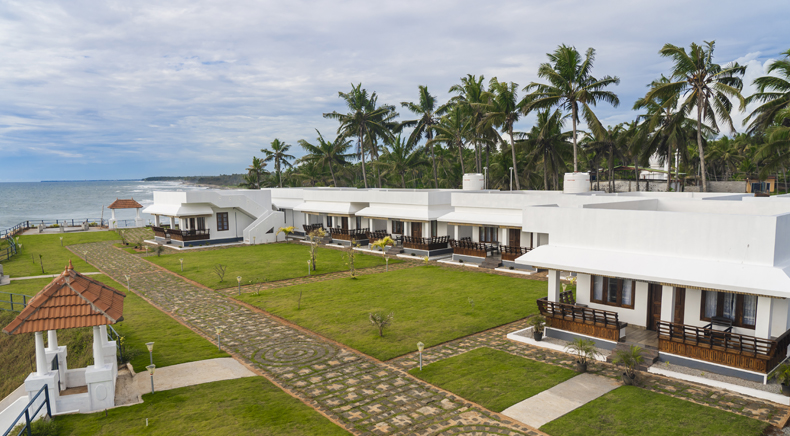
(50, 276)
(361, 394)
(552, 403)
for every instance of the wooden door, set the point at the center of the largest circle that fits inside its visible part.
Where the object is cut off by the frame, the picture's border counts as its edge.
(654, 305)
(344, 222)
(680, 305)
(416, 230)
(514, 237)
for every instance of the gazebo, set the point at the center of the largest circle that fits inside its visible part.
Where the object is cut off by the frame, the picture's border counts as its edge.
(126, 204)
(70, 301)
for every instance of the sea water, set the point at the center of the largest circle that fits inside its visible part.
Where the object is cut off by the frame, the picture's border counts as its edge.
(76, 200)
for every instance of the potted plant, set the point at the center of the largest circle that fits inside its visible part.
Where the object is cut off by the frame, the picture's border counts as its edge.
(629, 358)
(538, 323)
(782, 374)
(584, 350)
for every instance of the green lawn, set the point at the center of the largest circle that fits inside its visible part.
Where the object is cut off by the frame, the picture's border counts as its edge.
(492, 378)
(53, 256)
(630, 410)
(265, 262)
(430, 304)
(232, 407)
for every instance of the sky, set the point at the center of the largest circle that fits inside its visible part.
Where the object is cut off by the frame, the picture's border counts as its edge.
(123, 90)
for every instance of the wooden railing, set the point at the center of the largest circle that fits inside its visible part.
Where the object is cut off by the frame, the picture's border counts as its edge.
(188, 235)
(598, 323)
(376, 235)
(160, 231)
(469, 248)
(310, 227)
(436, 243)
(348, 234)
(511, 253)
(725, 348)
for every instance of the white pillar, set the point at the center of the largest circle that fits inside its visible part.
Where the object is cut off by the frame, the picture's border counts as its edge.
(103, 332)
(764, 313)
(370, 224)
(787, 319)
(156, 220)
(52, 340)
(172, 222)
(138, 213)
(112, 220)
(41, 355)
(98, 352)
(555, 285)
(667, 303)
(455, 232)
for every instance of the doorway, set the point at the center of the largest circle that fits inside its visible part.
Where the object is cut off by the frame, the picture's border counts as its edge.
(344, 222)
(514, 237)
(654, 305)
(416, 230)
(680, 305)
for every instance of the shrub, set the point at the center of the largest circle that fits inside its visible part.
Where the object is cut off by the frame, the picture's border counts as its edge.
(381, 321)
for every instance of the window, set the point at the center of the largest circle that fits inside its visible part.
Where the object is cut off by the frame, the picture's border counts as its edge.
(612, 292)
(741, 309)
(434, 229)
(222, 221)
(488, 234)
(359, 222)
(328, 222)
(397, 227)
(201, 223)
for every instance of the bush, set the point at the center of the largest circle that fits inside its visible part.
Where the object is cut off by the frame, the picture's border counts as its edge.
(42, 427)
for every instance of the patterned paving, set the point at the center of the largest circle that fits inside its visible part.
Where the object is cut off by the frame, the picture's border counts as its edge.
(363, 395)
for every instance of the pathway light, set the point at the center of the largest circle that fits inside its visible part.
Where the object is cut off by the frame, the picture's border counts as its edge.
(238, 279)
(219, 343)
(127, 281)
(61, 241)
(151, 369)
(182, 263)
(150, 346)
(420, 347)
(308, 267)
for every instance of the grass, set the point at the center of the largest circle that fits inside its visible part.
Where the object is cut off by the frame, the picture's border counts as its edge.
(266, 262)
(629, 410)
(494, 379)
(430, 304)
(233, 407)
(127, 248)
(53, 256)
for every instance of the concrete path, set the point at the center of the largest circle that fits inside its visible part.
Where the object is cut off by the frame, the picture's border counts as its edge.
(50, 276)
(561, 399)
(361, 394)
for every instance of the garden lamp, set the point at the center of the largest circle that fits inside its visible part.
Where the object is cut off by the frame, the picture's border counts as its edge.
(61, 241)
(182, 264)
(151, 369)
(86, 256)
(219, 344)
(238, 279)
(420, 347)
(150, 346)
(127, 281)
(308, 267)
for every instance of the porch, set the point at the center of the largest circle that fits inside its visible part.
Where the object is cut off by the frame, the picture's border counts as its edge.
(182, 235)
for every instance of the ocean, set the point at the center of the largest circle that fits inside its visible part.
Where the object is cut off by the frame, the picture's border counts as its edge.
(75, 200)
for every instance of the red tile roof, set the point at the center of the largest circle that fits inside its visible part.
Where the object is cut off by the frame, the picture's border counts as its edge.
(72, 300)
(124, 204)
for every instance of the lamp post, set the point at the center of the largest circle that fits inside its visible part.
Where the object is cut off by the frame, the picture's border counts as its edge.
(485, 178)
(86, 256)
(182, 264)
(150, 346)
(238, 279)
(308, 267)
(219, 343)
(151, 369)
(127, 281)
(511, 178)
(420, 347)
(386, 264)
(61, 241)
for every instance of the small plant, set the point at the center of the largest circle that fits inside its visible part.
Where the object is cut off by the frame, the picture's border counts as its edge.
(382, 243)
(350, 257)
(630, 359)
(315, 237)
(381, 321)
(584, 350)
(299, 302)
(257, 285)
(287, 231)
(782, 374)
(219, 270)
(41, 263)
(158, 250)
(471, 302)
(538, 324)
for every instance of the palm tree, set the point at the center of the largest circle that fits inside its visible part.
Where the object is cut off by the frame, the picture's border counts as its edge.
(705, 85)
(363, 120)
(454, 129)
(503, 111)
(773, 101)
(610, 142)
(327, 153)
(548, 142)
(471, 98)
(310, 173)
(428, 112)
(400, 157)
(571, 85)
(279, 155)
(255, 171)
(776, 151)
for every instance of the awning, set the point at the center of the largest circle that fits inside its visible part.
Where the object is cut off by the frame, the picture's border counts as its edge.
(670, 270)
(286, 203)
(328, 207)
(179, 210)
(486, 218)
(402, 213)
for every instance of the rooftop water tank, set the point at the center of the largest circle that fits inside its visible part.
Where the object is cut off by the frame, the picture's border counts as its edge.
(576, 183)
(474, 182)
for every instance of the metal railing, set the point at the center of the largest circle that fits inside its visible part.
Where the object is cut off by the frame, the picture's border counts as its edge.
(12, 303)
(26, 413)
(10, 250)
(71, 222)
(112, 335)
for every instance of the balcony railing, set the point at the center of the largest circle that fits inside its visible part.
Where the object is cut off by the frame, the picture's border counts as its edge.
(181, 235)
(436, 243)
(511, 253)
(348, 234)
(310, 227)
(598, 323)
(724, 348)
(469, 248)
(376, 235)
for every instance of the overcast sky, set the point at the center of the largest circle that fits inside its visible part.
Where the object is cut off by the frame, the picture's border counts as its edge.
(120, 89)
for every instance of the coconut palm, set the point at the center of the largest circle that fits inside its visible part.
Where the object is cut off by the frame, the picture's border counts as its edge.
(572, 87)
(773, 92)
(399, 157)
(429, 114)
(503, 110)
(472, 98)
(455, 130)
(705, 85)
(776, 151)
(611, 142)
(363, 120)
(279, 155)
(310, 174)
(255, 171)
(327, 153)
(547, 142)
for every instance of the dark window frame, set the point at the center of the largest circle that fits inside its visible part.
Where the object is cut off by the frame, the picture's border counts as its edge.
(738, 321)
(397, 227)
(605, 293)
(434, 228)
(223, 222)
(488, 234)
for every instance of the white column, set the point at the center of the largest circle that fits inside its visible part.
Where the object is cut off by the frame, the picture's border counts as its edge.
(52, 340)
(787, 320)
(764, 313)
(667, 303)
(455, 233)
(172, 222)
(103, 331)
(41, 355)
(370, 224)
(112, 220)
(555, 286)
(156, 220)
(98, 352)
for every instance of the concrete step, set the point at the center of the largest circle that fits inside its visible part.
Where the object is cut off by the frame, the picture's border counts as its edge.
(491, 263)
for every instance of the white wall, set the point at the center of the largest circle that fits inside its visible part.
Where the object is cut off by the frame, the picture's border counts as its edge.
(237, 222)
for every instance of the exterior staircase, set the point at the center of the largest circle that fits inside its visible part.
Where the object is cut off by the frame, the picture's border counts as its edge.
(491, 262)
(649, 355)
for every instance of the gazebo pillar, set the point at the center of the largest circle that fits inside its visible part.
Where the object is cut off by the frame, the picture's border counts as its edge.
(98, 351)
(138, 220)
(41, 355)
(156, 221)
(52, 340)
(555, 285)
(55, 351)
(112, 220)
(100, 377)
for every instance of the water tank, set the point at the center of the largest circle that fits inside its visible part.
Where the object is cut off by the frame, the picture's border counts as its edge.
(576, 183)
(474, 182)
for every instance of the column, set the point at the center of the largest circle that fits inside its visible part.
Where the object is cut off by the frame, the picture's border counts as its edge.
(52, 340)
(370, 224)
(555, 286)
(112, 219)
(667, 303)
(103, 332)
(455, 233)
(156, 220)
(764, 313)
(41, 355)
(98, 357)
(172, 222)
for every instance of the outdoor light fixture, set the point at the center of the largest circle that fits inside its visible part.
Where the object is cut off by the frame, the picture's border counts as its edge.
(420, 347)
(150, 346)
(253, 240)
(127, 281)
(86, 256)
(386, 264)
(182, 263)
(308, 267)
(219, 346)
(151, 369)
(61, 241)
(238, 279)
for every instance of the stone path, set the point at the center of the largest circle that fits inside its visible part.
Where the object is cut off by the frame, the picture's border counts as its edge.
(495, 338)
(49, 276)
(361, 394)
(552, 403)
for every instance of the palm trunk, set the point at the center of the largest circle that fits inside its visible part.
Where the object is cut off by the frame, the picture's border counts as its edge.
(334, 182)
(636, 172)
(513, 152)
(545, 175)
(488, 156)
(279, 175)
(362, 151)
(461, 156)
(699, 144)
(611, 168)
(669, 165)
(575, 159)
(403, 180)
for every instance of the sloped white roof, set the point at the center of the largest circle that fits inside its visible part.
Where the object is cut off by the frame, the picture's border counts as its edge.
(286, 203)
(413, 213)
(179, 210)
(675, 270)
(328, 207)
(485, 217)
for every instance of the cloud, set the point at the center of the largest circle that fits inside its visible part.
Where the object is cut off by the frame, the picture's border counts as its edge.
(147, 88)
